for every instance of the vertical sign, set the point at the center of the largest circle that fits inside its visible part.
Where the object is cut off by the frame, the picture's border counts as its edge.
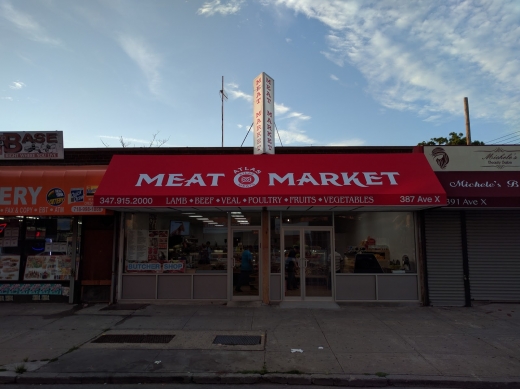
(263, 114)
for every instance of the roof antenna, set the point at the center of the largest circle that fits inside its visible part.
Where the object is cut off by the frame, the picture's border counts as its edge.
(223, 96)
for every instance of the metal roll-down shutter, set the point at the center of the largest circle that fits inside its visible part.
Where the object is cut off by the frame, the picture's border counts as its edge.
(494, 255)
(444, 258)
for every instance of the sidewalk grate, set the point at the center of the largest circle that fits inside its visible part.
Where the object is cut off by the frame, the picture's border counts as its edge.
(134, 339)
(237, 340)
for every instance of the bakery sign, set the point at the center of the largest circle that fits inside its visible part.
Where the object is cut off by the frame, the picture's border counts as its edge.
(473, 158)
(263, 114)
(31, 145)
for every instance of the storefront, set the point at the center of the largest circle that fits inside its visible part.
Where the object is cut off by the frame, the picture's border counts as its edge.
(472, 245)
(42, 213)
(339, 227)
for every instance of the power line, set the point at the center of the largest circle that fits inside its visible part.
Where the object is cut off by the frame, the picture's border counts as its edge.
(494, 140)
(509, 138)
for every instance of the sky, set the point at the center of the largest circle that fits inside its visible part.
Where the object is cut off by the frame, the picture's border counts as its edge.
(346, 73)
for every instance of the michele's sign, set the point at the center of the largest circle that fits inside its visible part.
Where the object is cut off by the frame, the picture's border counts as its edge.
(473, 158)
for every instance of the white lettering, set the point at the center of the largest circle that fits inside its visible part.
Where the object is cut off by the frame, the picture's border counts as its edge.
(34, 194)
(329, 177)
(307, 177)
(174, 177)
(288, 177)
(391, 177)
(215, 176)
(196, 179)
(145, 177)
(353, 178)
(5, 195)
(19, 195)
(372, 179)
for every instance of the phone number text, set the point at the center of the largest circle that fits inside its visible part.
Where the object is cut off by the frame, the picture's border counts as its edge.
(125, 201)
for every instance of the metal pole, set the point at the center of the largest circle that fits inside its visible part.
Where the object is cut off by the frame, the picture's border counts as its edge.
(222, 111)
(466, 113)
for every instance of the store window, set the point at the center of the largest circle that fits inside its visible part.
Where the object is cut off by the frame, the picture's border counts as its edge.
(176, 243)
(307, 219)
(375, 242)
(35, 248)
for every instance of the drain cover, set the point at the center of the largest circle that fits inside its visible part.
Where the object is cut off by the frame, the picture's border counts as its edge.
(237, 340)
(134, 339)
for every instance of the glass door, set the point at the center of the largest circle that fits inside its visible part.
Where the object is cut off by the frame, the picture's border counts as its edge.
(307, 263)
(245, 264)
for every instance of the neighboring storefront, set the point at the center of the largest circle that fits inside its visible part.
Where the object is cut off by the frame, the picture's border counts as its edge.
(42, 210)
(472, 245)
(295, 226)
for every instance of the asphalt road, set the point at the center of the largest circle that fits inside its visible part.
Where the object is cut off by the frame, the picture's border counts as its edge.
(185, 386)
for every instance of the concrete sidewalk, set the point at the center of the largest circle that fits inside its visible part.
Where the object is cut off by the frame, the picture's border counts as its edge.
(363, 345)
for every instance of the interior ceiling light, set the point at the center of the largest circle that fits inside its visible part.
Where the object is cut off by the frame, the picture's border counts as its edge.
(195, 215)
(219, 225)
(236, 213)
(188, 213)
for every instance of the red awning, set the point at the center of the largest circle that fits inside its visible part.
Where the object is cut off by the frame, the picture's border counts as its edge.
(477, 189)
(313, 180)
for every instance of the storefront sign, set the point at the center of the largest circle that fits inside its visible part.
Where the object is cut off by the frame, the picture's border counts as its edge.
(481, 189)
(281, 180)
(263, 114)
(49, 190)
(31, 145)
(473, 158)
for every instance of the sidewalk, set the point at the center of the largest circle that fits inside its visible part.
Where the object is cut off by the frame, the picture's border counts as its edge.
(374, 345)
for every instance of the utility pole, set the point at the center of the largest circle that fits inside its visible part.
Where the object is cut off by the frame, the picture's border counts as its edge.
(468, 129)
(223, 96)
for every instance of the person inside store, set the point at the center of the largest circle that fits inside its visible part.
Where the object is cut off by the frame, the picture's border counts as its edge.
(205, 254)
(290, 267)
(246, 268)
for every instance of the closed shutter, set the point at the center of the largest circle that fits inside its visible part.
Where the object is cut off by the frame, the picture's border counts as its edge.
(494, 255)
(444, 258)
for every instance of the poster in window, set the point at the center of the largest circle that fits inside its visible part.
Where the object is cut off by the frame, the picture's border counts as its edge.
(9, 267)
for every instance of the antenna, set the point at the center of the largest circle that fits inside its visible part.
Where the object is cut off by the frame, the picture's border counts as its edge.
(223, 96)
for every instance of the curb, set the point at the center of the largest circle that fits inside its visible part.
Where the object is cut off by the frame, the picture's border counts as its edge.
(241, 379)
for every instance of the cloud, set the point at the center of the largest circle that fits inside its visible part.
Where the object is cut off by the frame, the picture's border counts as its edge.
(7, 98)
(17, 85)
(348, 142)
(288, 40)
(426, 56)
(333, 77)
(292, 133)
(26, 25)
(145, 58)
(432, 118)
(216, 6)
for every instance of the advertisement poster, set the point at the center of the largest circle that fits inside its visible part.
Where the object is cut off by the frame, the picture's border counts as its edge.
(10, 238)
(137, 246)
(48, 267)
(9, 267)
(148, 252)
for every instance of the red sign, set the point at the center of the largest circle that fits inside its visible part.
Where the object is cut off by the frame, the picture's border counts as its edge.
(479, 189)
(269, 180)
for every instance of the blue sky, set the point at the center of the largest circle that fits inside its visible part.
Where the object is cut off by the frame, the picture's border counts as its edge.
(372, 73)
